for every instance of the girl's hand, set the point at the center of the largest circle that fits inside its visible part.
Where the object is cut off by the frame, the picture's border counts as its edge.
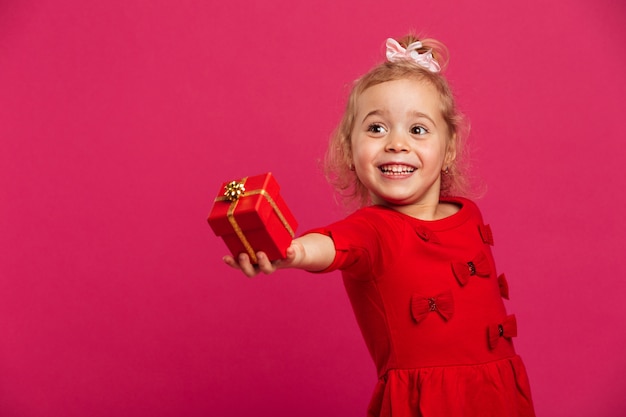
(264, 265)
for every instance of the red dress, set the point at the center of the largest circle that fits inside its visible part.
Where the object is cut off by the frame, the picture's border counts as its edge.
(428, 301)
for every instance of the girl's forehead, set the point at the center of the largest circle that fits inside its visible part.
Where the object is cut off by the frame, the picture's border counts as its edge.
(408, 83)
(399, 94)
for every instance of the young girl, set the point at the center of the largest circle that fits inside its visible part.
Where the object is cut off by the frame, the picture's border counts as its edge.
(416, 261)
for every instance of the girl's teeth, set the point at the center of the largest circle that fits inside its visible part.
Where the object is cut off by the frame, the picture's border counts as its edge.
(397, 169)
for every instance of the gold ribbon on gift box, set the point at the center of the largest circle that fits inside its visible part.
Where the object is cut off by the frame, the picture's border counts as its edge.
(235, 190)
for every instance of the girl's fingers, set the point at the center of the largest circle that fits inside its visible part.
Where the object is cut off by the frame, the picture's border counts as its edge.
(265, 265)
(230, 261)
(242, 262)
(246, 266)
(291, 254)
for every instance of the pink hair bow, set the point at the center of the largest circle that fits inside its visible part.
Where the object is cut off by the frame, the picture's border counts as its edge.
(395, 53)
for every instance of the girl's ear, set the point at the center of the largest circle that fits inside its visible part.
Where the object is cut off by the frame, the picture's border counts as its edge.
(450, 151)
(350, 159)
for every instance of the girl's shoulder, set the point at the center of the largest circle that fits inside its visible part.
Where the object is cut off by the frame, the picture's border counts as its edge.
(372, 221)
(463, 203)
(374, 213)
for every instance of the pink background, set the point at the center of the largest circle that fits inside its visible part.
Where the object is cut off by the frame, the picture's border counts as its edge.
(120, 119)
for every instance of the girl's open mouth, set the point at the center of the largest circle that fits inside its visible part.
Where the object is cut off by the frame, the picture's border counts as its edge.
(396, 169)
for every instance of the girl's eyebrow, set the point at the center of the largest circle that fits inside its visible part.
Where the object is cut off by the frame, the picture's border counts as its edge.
(424, 115)
(417, 114)
(376, 112)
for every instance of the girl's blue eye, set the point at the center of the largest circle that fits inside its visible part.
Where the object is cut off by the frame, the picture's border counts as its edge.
(419, 130)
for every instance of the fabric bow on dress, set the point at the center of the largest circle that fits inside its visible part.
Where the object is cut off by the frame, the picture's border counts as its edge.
(425, 234)
(442, 303)
(486, 234)
(507, 329)
(504, 286)
(478, 266)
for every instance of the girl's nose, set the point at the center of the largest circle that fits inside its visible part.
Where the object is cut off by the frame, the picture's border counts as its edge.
(397, 143)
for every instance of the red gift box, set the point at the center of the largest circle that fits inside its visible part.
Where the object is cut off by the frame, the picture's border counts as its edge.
(251, 216)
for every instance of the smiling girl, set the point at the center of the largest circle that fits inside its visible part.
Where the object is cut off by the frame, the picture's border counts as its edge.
(416, 260)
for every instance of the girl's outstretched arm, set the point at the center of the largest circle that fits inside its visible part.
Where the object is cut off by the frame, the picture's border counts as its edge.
(312, 252)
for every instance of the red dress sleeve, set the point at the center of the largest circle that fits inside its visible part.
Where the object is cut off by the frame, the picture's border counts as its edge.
(356, 243)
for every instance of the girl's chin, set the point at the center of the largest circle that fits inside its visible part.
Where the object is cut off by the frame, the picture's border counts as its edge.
(402, 200)
(391, 201)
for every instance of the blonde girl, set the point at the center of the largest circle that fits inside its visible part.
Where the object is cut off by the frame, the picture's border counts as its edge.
(415, 257)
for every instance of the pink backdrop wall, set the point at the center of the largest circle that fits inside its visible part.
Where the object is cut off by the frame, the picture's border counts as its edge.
(119, 120)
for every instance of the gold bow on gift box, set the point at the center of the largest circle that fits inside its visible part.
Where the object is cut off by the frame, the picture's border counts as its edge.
(233, 192)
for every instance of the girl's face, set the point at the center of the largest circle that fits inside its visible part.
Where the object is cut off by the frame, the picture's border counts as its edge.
(400, 143)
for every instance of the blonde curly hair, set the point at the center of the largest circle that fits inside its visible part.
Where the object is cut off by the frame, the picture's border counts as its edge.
(338, 159)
